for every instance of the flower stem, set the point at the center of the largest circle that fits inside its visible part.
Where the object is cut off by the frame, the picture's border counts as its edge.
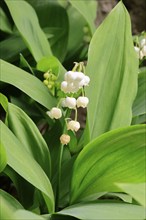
(60, 167)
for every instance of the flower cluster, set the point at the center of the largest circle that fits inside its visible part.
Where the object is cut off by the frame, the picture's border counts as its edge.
(74, 81)
(49, 79)
(141, 50)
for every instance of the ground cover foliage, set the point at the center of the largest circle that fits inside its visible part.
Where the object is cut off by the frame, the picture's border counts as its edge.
(59, 165)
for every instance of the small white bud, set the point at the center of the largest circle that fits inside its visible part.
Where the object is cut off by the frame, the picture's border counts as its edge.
(144, 50)
(70, 102)
(65, 139)
(82, 102)
(73, 125)
(54, 113)
(143, 42)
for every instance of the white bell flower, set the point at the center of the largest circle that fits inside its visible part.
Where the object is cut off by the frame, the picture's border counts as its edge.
(70, 102)
(65, 139)
(54, 113)
(137, 50)
(64, 86)
(87, 80)
(82, 102)
(143, 42)
(70, 76)
(73, 125)
(144, 50)
(79, 76)
(141, 55)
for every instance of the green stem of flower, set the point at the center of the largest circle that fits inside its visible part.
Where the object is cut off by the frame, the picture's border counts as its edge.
(60, 166)
(83, 93)
(75, 67)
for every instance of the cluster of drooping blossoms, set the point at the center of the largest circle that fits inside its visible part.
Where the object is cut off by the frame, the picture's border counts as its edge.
(141, 49)
(74, 81)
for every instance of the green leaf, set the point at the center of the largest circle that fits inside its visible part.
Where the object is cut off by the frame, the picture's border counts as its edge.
(23, 187)
(4, 102)
(27, 83)
(137, 191)
(29, 28)
(57, 27)
(5, 24)
(76, 38)
(28, 134)
(22, 162)
(24, 63)
(106, 160)
(11, 47)
(3, 158)
(27, 215)
(139, 105)
(88, 10)
(112, 67)
(52, 63)
(105, 211)
(140, 119)
(8, 205)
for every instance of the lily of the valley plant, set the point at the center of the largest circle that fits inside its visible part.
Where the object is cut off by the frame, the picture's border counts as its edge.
(73, 113)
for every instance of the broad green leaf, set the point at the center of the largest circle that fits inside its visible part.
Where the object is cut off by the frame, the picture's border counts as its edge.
(139, 119)
(112, 67)
(27, 23)
(88, 10)
(139, 105)
(4, 102)
(3, 158)
(5, 24)
(24, 63)
(58, 26)
(136, 190)
(106, 160)
(11, 47)
(8, 205)
(27, 215)
(23, 187)
(76, 38)
(105, 211)
(122, 196)
(28, 134)
(27, 83)
(22, 162)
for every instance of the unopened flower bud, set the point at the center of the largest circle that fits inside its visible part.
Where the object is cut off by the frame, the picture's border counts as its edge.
(70, 102)
(73, 125)
(82, 102)
(46, 75)
(65, 139)
(46, 82)
(54, 113)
